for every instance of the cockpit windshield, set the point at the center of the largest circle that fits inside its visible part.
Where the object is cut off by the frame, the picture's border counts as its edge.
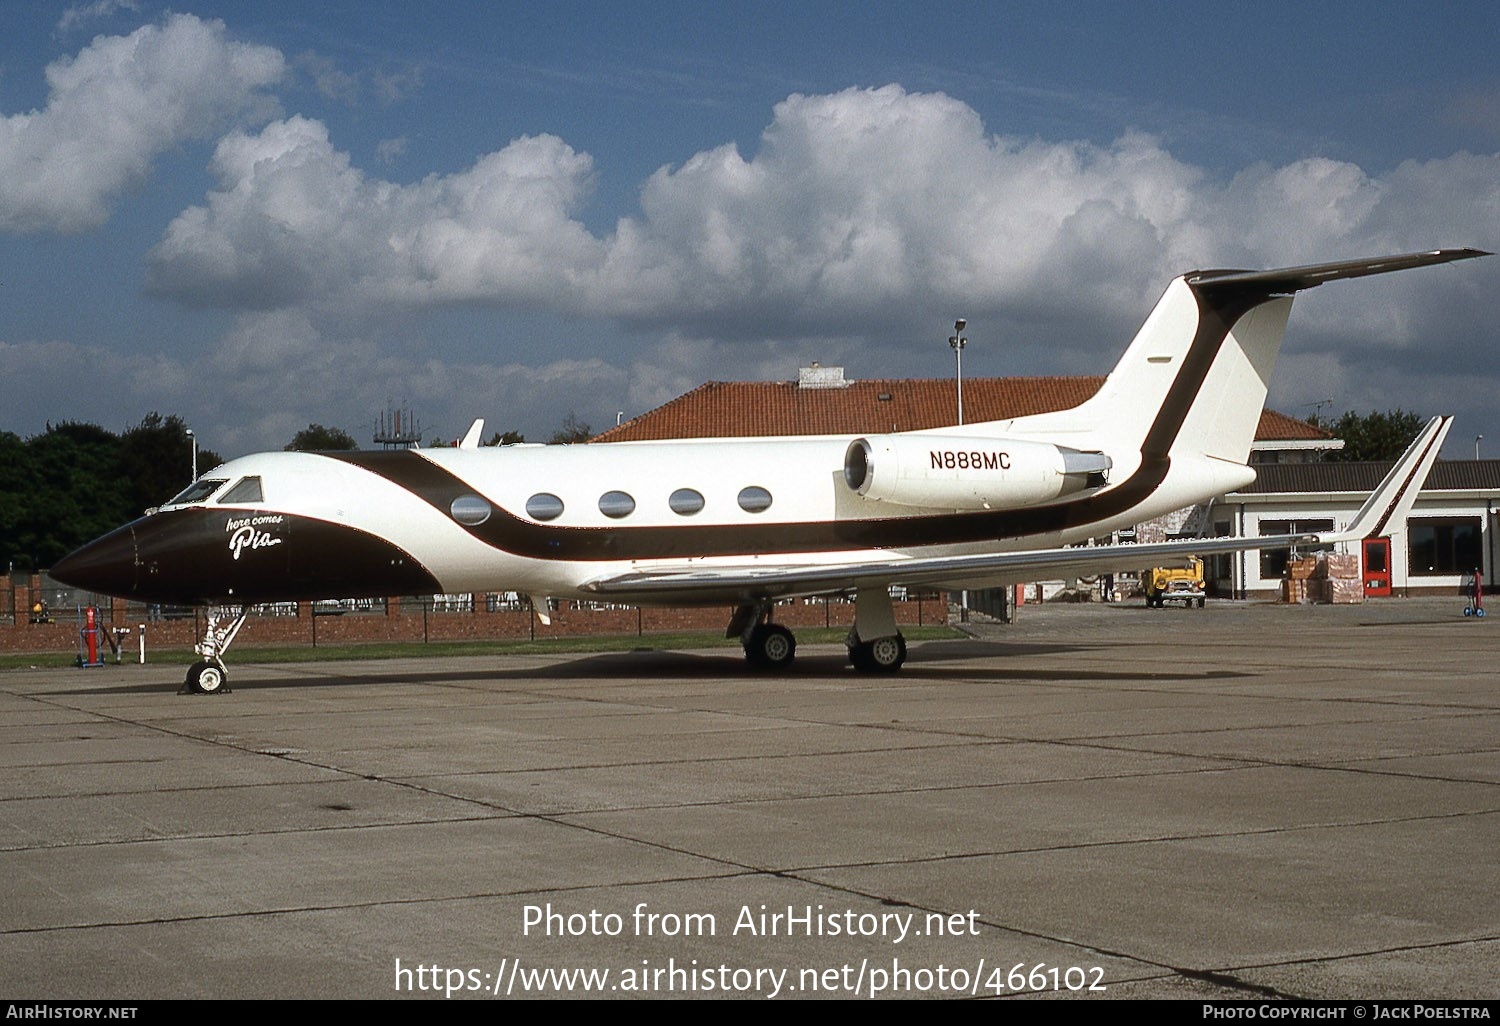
(198, 491)
(246, 490)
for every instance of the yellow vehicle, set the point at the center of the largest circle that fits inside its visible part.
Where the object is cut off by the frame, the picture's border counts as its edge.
(1174, 584)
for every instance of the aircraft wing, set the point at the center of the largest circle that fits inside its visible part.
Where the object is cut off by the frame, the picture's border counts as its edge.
(1388, 503)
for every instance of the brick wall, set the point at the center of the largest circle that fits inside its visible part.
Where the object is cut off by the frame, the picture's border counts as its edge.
(407, 625)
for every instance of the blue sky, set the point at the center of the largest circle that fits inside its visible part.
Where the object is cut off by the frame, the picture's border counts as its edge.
(258, 215)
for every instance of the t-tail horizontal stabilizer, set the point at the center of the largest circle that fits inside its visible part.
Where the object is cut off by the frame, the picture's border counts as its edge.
(1286, 280)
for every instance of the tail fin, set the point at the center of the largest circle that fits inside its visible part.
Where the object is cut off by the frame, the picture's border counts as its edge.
(1197, 369)
(1194, 380)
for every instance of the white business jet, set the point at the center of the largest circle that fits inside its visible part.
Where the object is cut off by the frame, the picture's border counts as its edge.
(747, 522)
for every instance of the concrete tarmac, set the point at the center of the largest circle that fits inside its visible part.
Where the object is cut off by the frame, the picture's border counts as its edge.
(1245, 801)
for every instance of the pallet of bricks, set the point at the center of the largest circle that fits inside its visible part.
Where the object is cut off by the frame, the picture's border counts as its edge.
(1294, 586)
(1336, 579)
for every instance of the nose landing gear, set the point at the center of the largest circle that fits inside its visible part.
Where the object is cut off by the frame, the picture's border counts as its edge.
(208, 675)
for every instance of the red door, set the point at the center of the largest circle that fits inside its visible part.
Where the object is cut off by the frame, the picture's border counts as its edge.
(1377, 567)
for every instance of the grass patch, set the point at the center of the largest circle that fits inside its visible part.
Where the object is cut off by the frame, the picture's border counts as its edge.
(250, 654)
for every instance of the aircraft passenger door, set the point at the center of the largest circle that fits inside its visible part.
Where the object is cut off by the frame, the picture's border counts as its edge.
(1377, 567)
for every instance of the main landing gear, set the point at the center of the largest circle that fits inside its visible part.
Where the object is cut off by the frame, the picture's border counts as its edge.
(875, 645)
(768, 646)
(883, 655)
(208, 675)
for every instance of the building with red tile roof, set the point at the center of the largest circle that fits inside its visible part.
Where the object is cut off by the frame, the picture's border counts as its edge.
(823, 402)
(1449, 533)
(1451, 525)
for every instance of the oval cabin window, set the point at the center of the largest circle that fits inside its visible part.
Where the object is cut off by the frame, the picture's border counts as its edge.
(685, 501)
(470, 510)
(616, 505)
(544, 506)
(755, 499)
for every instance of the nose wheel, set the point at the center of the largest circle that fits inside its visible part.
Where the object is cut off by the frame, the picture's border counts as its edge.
(206, 677)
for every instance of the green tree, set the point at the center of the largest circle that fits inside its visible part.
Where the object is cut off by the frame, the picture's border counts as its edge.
(317, 438)
(73, 492)
(572, 431)
(1371, 436)
(508, 438)
(76, 481)
(156, 457)
(17, 493)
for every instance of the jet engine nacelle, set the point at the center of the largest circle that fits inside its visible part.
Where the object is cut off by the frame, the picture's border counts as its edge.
(966, 472)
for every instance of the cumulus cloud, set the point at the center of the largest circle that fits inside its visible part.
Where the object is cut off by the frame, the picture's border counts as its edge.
(855, 203)
(349, 380)
(861, 203)
(286, 372)
(390, 150)
(112, 109)
(334, 82)
(81, 14)
(862, 220)
(857, 209)
(294, 221)
(328, 78)
(289, 370)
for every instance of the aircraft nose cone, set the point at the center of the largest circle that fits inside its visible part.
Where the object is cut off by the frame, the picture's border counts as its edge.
(105, 566)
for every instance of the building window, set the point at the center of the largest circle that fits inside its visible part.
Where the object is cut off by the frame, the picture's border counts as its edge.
(1273, 561)
(544, 506)
(616, 505)
(1442, 546)
(685, 501)
(755, 499)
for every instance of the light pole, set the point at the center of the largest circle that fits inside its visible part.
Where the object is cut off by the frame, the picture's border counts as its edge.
(958, 341)
(194, 439)
(1477, 440)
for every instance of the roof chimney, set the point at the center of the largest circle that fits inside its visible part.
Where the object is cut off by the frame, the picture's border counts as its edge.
(821, 377)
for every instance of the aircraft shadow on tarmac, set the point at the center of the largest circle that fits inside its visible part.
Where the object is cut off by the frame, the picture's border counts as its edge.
(974, 661)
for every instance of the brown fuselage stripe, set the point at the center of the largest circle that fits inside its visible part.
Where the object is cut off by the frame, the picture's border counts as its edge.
(1218, 311)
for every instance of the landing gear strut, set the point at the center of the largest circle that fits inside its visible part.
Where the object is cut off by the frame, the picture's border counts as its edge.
(875, 645)
(208, 675)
